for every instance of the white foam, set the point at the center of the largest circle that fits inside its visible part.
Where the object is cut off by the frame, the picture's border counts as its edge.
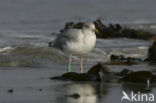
(142, 47)
(153, 26)
(5, 48)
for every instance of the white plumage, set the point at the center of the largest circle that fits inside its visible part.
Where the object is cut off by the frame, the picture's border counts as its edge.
(77, 41)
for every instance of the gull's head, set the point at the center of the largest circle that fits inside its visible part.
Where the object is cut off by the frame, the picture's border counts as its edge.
(89, 26)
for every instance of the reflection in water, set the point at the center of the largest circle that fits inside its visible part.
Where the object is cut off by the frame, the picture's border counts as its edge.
(97, 92)
(143, 88)
(89, 92)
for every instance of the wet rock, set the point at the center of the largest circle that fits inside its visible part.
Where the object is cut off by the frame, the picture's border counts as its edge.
(121, 60)
(101, 73)
(75, 96)
(124, 72)
(92, 75)
(95, 69)
(71, 25)
(70, 75)
(120, 63)
(85, 77)
(139, 77)
(100, 67)
(78, 77)
(113, 31)
(66, 76)
(151, 55)
(105, 70)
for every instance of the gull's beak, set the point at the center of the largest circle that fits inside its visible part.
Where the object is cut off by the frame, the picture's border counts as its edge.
(96, 31)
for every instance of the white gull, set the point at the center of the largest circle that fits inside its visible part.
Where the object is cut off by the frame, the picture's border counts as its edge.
(76, 42)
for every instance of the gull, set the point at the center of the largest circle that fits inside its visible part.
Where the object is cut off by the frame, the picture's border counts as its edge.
(76, 42)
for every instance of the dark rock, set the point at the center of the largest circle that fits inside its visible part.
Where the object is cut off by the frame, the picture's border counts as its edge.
(101, 73)
(66, 76)
(99, 67)
(72, 76)
(105, 74)
(121, 60)
(104, 69)
(113, 31)
(115, 57)
(87, 77)
(139, 77)
(10, 91)
(124, 72)
(71, 25)
(75, 96)
(92, 75)
(120, 63)
(151, 55)
(95, 69)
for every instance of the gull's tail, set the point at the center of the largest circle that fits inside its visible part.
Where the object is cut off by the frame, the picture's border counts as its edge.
(50, 44)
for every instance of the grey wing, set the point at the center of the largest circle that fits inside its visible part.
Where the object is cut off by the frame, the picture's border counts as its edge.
(67, 36)
(72, 34)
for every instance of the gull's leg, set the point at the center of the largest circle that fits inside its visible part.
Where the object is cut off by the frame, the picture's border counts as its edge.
(81, 65)
(69, 64)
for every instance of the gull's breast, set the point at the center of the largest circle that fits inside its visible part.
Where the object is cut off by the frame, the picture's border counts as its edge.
(83, 46)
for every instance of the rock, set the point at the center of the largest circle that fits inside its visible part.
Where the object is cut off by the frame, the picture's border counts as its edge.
(105, 70)
(121, 60)
(99, 67)
(66, 76)
(113, 31)
(72, 76)
(71, 25)
(85, 77)
(95, 69)
(104, 73)
(151, 55)
(124, 72)
(139, 77)
(92, 75)
(120, 63)
(75, 96)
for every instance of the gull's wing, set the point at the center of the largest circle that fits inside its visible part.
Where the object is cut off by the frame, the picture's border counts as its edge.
(70, 35)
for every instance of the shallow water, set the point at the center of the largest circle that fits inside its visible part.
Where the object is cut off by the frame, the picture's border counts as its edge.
(26, 63)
